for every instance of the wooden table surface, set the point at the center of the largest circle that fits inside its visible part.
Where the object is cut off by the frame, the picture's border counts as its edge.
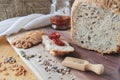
(7, 51)
(110, 62)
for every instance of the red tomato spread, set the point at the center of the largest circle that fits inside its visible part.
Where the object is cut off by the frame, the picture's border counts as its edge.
(61, 22)
(55, 37)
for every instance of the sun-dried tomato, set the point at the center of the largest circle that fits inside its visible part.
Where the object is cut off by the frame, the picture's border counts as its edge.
(61, 22)
(55, 36)
(58, 42)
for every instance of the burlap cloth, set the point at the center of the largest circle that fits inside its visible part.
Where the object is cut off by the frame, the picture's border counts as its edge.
(13, 8)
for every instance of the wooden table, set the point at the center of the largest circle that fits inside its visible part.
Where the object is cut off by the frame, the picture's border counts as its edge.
(110, 62)
(7, 51)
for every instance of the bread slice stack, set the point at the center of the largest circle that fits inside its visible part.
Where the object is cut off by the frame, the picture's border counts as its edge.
(95, 25)
(54, 49)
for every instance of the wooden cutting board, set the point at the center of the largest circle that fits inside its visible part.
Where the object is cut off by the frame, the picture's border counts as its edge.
(110, 62)
(7, 51)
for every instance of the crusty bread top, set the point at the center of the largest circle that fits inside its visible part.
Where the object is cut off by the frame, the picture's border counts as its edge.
(113, 5)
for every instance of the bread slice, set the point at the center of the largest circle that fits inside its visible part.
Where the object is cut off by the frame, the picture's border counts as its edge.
(95, 25)
(29, 39)
(54, 49)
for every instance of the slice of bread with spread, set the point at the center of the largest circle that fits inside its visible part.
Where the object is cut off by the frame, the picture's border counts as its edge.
(55, 49)
(95, 25)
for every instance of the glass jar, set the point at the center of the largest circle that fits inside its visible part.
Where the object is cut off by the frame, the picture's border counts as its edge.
(61, 21)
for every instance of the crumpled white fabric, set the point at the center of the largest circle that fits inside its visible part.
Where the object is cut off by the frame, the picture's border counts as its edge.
(32, 21)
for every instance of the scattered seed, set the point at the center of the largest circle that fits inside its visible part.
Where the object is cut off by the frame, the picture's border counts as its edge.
(50, 59)
(38, 60)
(13, 66)
(61, 78)
(26, 56)
(6, 74)
(39, 56)
(49, 77)
(22, 53)
(10, 60)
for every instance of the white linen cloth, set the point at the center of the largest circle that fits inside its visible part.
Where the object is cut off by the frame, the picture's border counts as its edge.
(32, 21)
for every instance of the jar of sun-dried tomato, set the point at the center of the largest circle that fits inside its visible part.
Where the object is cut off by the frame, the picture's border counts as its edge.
(60, 21)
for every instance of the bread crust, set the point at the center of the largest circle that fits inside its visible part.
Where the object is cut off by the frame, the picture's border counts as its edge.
(60, 53)
(112, 5)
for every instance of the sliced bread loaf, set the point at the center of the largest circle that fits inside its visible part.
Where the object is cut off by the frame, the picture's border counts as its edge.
(55, 49)
(96, 25)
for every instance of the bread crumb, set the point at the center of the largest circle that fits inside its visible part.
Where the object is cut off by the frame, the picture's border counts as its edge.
(10, 64)
(3, 69)
(6, 74)
(20, 71)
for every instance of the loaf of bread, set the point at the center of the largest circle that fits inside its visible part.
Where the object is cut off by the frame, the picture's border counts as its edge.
(95, 25)
(54, 49)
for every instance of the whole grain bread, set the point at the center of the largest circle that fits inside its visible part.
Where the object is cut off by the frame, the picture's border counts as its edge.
(29, 39)
(54, 49)
(95, 25)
